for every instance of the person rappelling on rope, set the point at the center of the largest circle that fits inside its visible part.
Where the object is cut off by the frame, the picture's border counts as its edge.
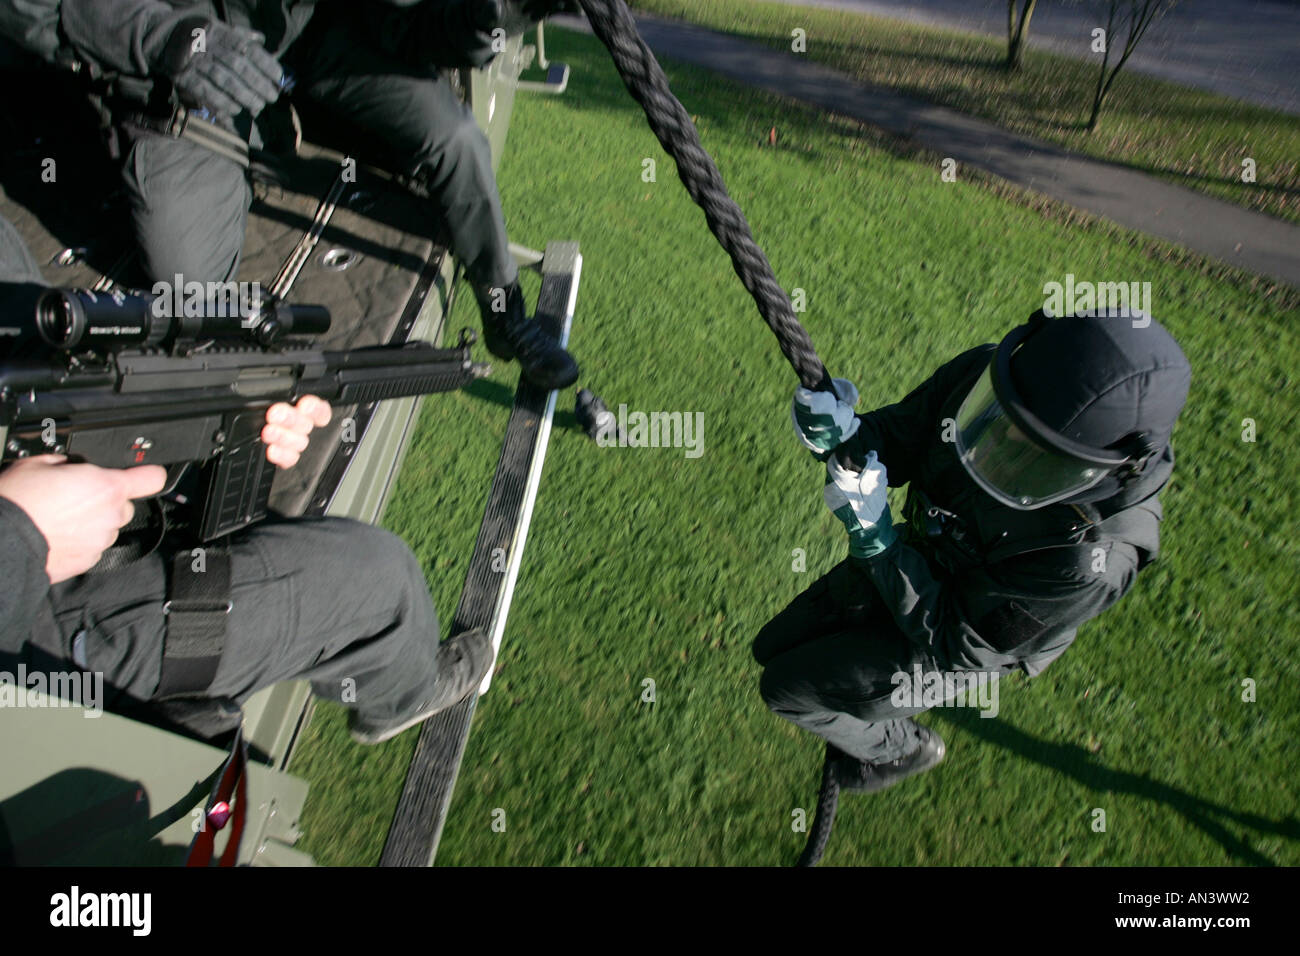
(1033, 470)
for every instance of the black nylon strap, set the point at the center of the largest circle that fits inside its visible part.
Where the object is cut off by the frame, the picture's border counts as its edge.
(198, 611)
(180, 124)
(138, 538)
(215, 139)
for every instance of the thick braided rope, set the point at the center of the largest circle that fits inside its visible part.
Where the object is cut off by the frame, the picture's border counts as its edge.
(645, 80)
(828, 800)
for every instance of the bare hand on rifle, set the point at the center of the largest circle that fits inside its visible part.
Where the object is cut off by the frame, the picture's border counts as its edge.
(287, 428)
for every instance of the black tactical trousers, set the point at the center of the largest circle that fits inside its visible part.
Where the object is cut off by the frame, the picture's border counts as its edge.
(336, 602)
(190, 205)
(829, 664)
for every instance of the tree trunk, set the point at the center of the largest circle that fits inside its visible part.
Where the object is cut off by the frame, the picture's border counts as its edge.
(1098, 97)
(1096, 110)
(1100, 94)
(1017, 33)
(1141, 15)
(1011, 33)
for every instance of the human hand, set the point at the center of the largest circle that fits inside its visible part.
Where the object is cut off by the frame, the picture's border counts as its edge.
(824, 420)
(79, 509)
(860, 500)
(287, 427)
(231, 71)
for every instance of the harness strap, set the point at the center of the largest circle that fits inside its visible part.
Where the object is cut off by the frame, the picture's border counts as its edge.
(190, 125)
(228, 803)
(138, 538)
(198, 612)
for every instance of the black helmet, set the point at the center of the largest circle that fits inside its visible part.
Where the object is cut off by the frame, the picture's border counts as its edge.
(1072, 409)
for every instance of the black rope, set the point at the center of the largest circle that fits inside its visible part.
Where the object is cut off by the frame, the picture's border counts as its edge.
(645, 80)
(827, 803)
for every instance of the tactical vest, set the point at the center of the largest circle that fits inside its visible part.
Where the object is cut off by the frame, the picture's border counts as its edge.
(957, 526)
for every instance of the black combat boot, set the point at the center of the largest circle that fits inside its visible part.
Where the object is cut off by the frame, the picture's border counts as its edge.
(854, 774)
(463, 662)
(510, 334)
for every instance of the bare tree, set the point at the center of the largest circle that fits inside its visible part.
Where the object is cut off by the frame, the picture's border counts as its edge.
(1018, 31)
(1137, 16)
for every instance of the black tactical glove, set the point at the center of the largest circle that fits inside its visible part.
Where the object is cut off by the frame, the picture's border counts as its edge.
(223, 68)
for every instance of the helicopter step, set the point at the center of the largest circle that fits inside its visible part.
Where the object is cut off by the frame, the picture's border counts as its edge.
(485, 600)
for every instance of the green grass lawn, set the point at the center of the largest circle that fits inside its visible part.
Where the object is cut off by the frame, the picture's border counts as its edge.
(643, 564)
(1186, 136)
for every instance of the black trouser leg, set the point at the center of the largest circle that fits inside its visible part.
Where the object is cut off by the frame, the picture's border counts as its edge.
(413, 123)
(829, 661)
(339, 603)
(189, 208)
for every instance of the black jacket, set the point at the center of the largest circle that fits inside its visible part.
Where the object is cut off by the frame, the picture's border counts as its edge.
(110, 37)
(25, 595)
(995, 585)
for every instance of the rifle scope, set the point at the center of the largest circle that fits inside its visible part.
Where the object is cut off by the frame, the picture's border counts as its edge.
(70, 319)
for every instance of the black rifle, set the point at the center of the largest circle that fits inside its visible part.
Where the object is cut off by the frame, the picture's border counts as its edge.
(104, 379)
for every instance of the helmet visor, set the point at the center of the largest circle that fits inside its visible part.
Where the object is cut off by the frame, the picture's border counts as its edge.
(1007, 463)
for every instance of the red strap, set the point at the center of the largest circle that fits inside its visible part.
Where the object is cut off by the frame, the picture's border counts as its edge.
(231, 784)
(237, 819)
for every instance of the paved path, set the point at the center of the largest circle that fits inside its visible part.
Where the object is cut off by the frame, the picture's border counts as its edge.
(1220, 230)
(1248, 49)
